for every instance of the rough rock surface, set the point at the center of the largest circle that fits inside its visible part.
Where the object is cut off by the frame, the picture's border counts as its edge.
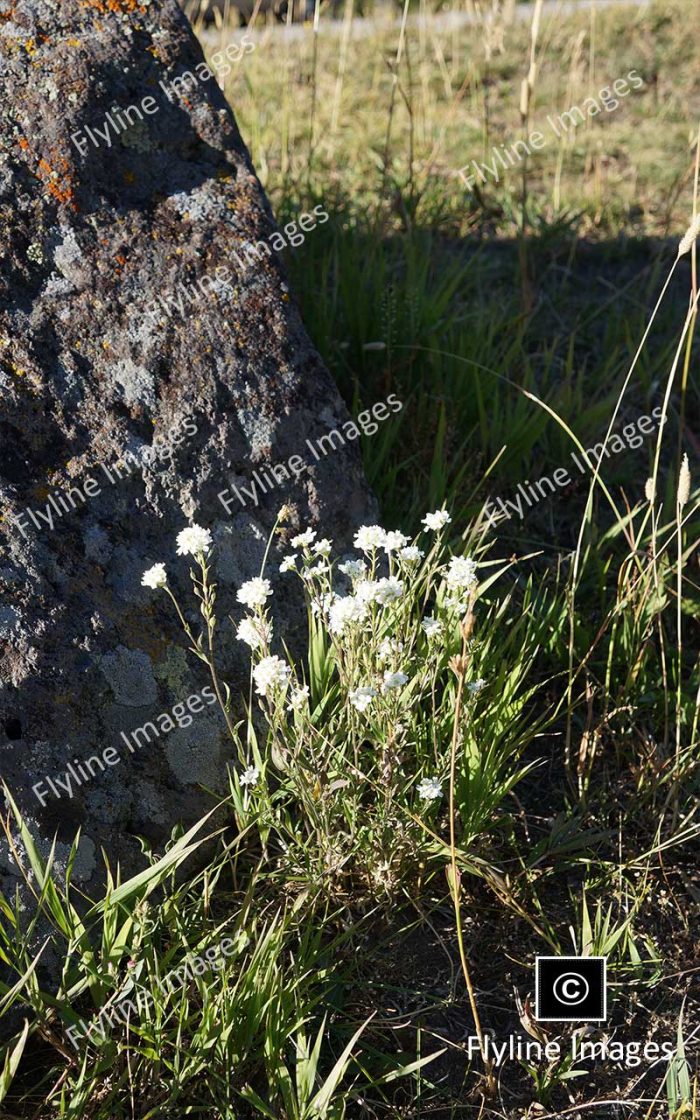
(121, 419)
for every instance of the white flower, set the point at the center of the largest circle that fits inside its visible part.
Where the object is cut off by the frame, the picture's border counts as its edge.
(461, 573)
(193, 541)
(476, 686)
(254, 592)
(388, 648)
(382, 591)
(432, 626)
(321, 604)
(317, 570)
(430, 789)
(250, 776)
(388, 590)
(270, 673)
(411, 554)
(362, 697)
(369, 537)
(437, 520)
(393, 680)
(322, 548)
(298, 698)
(365, 590)
(155, 577)
(355, 569)
(393, 541)
(255, 632)
(289, 563)
(454, 603)
(303, 540)
(344, 611)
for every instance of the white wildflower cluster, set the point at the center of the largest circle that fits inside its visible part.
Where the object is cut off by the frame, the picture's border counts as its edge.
(434, 522)
(345, 611)
(254, 592)
(155, 577)
(432, 627)
(353, 569)
(389, 649)
(430, 789)
(255, 629)
(459, 582)
(383, 657)
(192, 541)
(383, 660)
(271, 674)
(250, 776)
(362, 697)
(461, 573)
(256, 632)
(369, 538)
(299, 698)
(393, 680)
(367, 606)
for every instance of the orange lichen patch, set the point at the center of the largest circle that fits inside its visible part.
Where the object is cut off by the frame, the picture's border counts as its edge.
(58, 183)
(23, 143)
(7, 15)
(104, 6)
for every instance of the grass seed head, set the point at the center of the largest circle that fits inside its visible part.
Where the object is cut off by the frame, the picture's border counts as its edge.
(683, 483)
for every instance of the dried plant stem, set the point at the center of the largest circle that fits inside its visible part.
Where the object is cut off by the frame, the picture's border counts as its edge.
(342, 64)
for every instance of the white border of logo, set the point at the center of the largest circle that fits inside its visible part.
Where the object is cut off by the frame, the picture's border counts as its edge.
(571, 1018)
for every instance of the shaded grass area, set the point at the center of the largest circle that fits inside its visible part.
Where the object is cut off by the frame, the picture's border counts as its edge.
(462, 355)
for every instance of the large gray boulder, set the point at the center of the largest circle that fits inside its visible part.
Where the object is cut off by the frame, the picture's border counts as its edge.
(154, 372)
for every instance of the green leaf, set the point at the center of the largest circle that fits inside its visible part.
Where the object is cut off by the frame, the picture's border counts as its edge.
(12, 1060)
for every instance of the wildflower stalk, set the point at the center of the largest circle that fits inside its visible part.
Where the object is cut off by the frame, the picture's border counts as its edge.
(209, 597)
(196, 643)
(459, 667)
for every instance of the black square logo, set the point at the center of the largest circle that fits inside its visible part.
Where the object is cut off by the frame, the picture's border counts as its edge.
(570, 989)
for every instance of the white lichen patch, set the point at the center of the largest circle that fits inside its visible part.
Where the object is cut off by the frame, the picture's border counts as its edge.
(129, 674)
(195, 753)
(137, 384)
